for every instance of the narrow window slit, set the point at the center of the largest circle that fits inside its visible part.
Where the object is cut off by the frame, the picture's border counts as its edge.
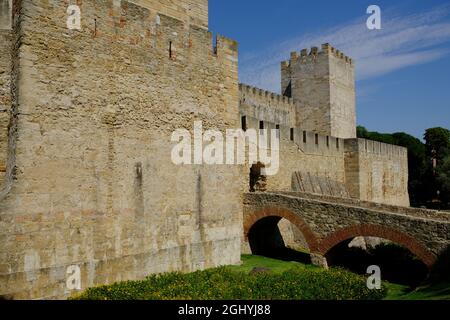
(244, 123)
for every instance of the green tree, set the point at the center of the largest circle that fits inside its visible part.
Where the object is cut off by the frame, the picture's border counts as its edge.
(443, 181)
(437, 176)
(437, 142)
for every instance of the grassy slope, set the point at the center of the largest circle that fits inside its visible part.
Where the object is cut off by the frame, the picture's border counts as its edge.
(306, 274)
(277, 266)
(285, 281)
(395, 291)
(431, 292)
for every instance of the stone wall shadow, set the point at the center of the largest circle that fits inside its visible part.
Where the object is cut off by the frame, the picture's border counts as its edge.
(397, 264)
(440, 272)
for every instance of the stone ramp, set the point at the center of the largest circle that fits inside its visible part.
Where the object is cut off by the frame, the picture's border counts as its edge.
(309, 183)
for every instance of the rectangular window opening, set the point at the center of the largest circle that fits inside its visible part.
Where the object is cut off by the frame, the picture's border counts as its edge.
(244, 123)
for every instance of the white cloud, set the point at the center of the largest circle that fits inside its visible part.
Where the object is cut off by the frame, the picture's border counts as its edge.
(403, 41)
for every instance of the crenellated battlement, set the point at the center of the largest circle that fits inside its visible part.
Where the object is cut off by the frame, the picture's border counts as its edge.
(313, 53)
(247, 90)
(321, 82)
(189, 11)
(329, 49)
(133, 24)
(266, 105)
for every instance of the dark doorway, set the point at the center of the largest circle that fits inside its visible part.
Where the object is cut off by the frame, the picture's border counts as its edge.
(257, 180)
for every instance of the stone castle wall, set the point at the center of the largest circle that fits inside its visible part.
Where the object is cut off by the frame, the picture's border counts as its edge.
(5, 80)
(5, 14)
(315, 157)
(266, 106)
(368, 170)
(189, 11)
(92, 182)
(377, 172)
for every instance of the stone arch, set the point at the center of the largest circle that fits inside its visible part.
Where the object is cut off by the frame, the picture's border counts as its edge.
(252, 218)
(371, 230)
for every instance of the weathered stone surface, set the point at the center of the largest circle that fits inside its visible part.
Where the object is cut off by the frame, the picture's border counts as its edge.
(366, 243)
(5, 96)
(377, 172)
(188, 11)
(292, 236)
(92, 181)
(5, 14)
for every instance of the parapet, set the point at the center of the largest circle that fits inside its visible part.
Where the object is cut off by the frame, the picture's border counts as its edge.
(143, 25)
(314, 52)
(266, 105)
(271, 97)
(190, 11)
(374, 147)
(306, 142)
(312, 142)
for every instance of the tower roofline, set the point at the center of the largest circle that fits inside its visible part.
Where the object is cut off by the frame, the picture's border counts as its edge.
(326, 48)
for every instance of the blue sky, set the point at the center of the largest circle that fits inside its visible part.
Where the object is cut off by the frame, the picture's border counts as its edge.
(403, 70)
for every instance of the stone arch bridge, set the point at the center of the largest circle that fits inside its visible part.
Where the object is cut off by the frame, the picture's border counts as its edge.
(326, 222)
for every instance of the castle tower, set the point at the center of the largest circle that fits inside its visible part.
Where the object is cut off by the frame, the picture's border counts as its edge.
(322, 84)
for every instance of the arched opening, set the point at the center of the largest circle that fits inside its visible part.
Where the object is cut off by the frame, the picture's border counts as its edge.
(398, 264)
(266, 239)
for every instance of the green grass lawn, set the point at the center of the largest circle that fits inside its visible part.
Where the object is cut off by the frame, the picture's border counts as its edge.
(284, 281)
(277, 266)
(394, 291)
(428, 292)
